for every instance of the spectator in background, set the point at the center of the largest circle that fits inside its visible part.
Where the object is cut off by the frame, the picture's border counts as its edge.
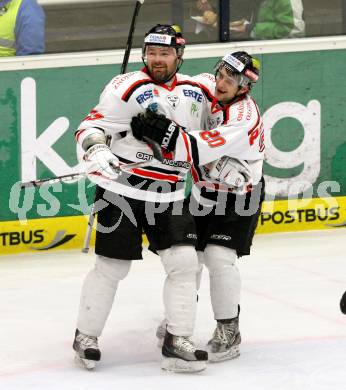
(22, 28)
(259, 19)
(240, 10)
(273, 19)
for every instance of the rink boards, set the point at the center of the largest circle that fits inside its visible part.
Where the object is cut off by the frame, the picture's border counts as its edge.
(47, 234)
(44, 98)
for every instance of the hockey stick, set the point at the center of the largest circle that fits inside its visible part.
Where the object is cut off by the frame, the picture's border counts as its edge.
(52, 180)
(73, 176)
(156, 148)
(154, 145)
(139, 3)
(130, 37)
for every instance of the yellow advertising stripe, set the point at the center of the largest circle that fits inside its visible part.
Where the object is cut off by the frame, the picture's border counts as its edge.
(48, 234)
(302, 214)
(43, 234)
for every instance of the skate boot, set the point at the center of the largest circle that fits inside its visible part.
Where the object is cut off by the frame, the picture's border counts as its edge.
(87, 350)
(180, 355)
(161, 332)
(225, 342)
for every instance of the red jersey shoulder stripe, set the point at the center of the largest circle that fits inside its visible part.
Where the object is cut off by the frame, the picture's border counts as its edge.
(132, 88)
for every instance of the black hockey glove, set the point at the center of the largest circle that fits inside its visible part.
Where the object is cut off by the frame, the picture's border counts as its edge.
(156, 127)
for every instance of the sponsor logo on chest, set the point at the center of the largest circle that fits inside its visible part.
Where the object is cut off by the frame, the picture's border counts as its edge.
(193, 94)
(141, 98)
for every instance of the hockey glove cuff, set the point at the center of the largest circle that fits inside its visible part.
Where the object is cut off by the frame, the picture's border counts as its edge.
(100, 158)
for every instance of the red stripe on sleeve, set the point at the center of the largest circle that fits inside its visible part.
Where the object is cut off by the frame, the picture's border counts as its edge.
(187, 146)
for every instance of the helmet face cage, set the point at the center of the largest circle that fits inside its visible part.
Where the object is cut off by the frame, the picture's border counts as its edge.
(240, 64)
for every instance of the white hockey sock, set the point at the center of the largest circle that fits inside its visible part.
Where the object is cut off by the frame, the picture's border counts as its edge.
(98, 291)
(225, 282)
(181, 265)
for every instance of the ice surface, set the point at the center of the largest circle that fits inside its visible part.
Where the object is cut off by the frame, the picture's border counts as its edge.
(294, 335)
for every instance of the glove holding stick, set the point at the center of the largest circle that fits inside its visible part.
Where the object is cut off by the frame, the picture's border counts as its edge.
(157, 128)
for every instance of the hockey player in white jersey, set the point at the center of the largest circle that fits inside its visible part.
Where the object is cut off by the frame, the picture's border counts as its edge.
(227, 171)
(143, 199)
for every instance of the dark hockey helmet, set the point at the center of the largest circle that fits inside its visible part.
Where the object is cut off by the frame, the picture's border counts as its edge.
(242, 64)
(165, 35)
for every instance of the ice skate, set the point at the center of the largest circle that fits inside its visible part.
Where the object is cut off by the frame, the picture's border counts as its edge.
(87, 350)
(161, 331)
(180, 355)
(225, 342)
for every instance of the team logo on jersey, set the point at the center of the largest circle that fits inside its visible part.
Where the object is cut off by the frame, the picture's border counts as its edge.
(173, 100)
(213, 122)
(154, 107)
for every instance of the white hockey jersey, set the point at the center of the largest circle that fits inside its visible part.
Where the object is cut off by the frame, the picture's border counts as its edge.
(235, 130)
(126, 96)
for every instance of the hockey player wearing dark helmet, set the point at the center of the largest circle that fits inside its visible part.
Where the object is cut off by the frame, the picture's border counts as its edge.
(235, 74)
(163, 51)
(172, 235)
(228, 171)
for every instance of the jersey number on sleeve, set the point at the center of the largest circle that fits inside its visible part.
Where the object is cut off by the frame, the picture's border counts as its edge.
(213, 138)
(255, 133)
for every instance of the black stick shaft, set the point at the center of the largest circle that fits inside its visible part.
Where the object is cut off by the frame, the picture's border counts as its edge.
(130, 37)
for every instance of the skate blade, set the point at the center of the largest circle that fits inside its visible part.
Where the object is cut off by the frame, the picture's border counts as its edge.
(215, 357)
(180, 365)
(85, 363)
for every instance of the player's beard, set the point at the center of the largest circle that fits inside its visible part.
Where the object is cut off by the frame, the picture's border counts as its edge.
(161, 73)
